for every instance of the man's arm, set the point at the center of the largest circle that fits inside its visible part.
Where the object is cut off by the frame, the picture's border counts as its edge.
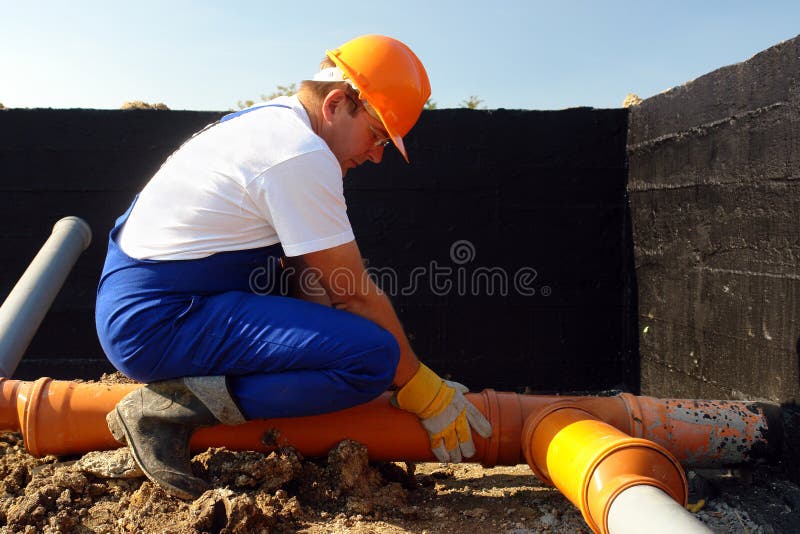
(343, 277)
(441, 406)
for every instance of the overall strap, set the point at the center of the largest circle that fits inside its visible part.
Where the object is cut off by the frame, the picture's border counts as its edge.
(241, 112)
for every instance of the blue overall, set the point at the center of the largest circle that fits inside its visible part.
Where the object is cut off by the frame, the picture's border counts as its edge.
(283, 357)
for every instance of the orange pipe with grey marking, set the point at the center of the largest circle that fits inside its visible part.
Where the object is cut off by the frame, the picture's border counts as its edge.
(60, 417)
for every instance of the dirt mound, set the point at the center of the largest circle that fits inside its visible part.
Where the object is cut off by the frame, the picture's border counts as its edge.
(105, 492)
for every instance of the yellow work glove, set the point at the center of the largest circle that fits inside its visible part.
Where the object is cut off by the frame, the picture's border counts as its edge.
(445, 413)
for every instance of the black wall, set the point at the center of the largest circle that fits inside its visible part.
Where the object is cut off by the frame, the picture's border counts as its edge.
(539, 195)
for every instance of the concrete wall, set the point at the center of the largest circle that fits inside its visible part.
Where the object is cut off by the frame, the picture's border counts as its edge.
(503, 192)
(715, 201)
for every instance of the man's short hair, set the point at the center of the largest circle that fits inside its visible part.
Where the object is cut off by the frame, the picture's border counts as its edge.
(317, 91)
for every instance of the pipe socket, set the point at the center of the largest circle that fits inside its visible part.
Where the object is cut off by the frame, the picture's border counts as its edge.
(591, 462)
(60, 417)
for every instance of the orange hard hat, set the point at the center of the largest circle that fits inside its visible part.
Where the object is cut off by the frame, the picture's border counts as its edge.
(390, 77)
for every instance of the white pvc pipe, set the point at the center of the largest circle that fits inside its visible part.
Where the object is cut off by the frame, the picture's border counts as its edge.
(26, 305)
(648, 509)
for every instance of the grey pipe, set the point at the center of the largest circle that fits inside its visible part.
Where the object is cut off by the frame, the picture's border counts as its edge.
(645, 508)
(26, 305)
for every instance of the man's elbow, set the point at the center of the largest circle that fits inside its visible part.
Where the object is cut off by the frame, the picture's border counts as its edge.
(354, 303)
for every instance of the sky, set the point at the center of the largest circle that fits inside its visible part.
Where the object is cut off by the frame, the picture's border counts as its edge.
(526, 54)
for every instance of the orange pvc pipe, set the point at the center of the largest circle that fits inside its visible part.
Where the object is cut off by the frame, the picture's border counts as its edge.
(711, 433)
(591, 462)
(59, 417)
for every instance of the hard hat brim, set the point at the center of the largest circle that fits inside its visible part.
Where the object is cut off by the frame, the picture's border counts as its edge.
(398, 142)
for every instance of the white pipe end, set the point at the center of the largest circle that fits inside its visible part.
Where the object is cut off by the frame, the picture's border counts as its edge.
(648, 509)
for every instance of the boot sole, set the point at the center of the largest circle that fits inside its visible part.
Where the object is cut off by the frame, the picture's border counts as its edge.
(121, 433)
(115, 426)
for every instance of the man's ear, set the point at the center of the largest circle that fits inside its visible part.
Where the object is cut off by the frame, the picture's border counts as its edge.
(335, 102)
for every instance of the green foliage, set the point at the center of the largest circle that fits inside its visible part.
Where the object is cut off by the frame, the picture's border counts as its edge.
(473, 102)
(138, 104)
(281, 90)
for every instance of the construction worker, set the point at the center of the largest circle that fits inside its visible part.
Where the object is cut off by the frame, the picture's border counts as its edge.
(188, 300)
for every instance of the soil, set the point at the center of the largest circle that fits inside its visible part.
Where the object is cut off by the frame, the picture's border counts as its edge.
(104, 492)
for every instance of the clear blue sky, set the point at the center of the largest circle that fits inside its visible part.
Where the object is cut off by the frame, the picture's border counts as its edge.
(528, 54)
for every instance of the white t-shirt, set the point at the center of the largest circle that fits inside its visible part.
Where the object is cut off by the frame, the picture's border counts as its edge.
(252, 181)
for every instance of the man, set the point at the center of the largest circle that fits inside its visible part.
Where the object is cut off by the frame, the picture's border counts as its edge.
(177, 304)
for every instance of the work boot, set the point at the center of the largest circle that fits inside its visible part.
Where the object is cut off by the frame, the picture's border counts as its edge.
(156, 422)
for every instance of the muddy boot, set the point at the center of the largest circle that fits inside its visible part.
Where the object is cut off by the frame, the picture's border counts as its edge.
(157, 421)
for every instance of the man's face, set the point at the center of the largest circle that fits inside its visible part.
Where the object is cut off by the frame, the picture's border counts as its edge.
(352, 137)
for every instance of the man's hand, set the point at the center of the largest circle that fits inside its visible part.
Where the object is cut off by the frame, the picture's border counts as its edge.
(445, 413)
